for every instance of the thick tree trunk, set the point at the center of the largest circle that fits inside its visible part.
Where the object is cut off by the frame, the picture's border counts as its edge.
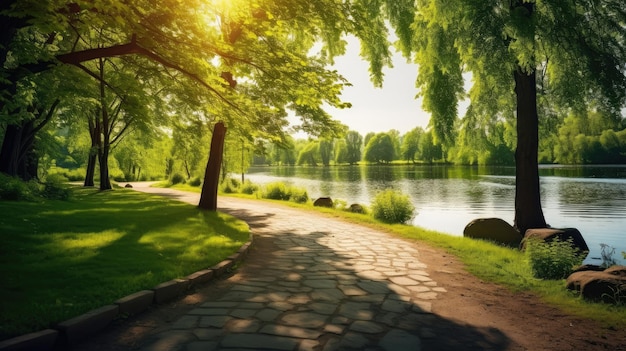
(208, 197)
(528, 212)
(17, 155)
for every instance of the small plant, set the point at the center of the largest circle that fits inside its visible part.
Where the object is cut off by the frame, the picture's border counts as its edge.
(607, 252)
(340, 204)
(230, 186)
(553, 259)
(55, 187)
(195, 181)
(298, 195)
(14, 189)
(249, 188)
(177, 178)
(275, 191)
(392, 207)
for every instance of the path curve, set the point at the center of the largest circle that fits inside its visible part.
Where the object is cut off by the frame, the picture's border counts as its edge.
(315, 283)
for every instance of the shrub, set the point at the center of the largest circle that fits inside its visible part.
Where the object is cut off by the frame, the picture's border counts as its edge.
(275, 191)
(55, 187)
(298, 195)
(230, 185)
(195, 181)
(249, 188)
(390, 206)
(553, 259)
(15, 189)
(177, 178)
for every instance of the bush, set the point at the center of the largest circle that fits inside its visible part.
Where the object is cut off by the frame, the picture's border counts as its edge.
(15, 189)
(249, 188)
(392, 207)
(177, 178)
(230, 186)
(298, 195)
(553, 259)
(195, 181)
(275, 191)
(55, 188)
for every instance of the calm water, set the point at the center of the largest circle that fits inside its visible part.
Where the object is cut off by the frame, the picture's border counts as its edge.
(447, 198)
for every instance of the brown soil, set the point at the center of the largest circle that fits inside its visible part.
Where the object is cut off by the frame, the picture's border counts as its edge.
(471, 315)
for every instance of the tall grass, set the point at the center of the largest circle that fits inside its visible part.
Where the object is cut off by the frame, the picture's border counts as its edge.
(59, 259)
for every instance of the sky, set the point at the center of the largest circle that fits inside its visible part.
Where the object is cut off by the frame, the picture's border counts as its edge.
(378, 109)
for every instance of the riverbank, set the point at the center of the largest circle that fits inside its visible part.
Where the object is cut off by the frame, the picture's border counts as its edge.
(466, 313)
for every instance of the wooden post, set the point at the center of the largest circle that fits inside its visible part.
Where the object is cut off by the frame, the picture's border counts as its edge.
(208, 197)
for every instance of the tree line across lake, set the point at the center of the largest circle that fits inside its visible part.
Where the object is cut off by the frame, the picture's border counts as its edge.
(593, 138)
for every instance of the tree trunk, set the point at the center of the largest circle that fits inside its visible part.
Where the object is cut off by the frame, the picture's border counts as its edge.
(208, 197)
(17, 155)
(528, 212)
(91, 168)
(103, 160)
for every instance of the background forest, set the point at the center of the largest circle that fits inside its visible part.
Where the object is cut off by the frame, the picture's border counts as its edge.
(159, 153)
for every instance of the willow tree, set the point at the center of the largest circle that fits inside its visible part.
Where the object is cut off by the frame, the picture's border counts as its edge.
(574, 51)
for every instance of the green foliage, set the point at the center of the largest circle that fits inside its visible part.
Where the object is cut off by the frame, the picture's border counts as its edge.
(380, 149)
(298, 195)
(55, 188)
(72, 175)
(282, 191)
(14, 189)
(195, 181)
(354, 141)
(177, 178)
(553, 259)
(99, 247)
(230, 186)
(275, 191)
(391, 206)
(249, 188)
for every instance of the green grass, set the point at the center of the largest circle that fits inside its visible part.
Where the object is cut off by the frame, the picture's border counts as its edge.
(59, 259)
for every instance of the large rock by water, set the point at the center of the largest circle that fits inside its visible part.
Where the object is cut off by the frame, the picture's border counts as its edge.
(549, 234)
(323, 202)
(493, 229)
(608, 285)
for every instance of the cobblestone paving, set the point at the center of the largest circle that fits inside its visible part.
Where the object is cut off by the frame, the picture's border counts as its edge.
(326, 285)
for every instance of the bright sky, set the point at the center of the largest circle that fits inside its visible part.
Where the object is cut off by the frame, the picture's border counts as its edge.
(378, 109)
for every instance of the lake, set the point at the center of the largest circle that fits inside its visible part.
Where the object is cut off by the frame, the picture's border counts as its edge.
(446, 198)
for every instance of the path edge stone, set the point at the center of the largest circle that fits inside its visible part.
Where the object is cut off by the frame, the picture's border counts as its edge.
(74, 330)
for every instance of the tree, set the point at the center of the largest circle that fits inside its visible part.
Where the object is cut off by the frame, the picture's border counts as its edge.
(577, 47)
(309, 154)
(428, 150)
(325, 149)
(354, 142)
(379, 149)
(410, 144)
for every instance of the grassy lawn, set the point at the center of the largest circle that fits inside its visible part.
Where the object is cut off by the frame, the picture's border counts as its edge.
(59, 259)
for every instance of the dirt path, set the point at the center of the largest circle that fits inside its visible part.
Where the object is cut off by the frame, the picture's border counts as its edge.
(467, 314)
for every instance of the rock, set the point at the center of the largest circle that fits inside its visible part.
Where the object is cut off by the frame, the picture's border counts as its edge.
(128, 186)
(549, 234)
(493, 229)
(323, 202)
(608, 285)
(356, 208)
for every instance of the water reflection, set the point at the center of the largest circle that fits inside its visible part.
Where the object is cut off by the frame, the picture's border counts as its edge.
(592, 199)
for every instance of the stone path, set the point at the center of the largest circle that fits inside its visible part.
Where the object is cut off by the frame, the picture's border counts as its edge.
(317, 284)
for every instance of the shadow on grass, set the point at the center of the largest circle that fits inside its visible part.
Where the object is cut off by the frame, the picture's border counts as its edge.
(61, 259)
